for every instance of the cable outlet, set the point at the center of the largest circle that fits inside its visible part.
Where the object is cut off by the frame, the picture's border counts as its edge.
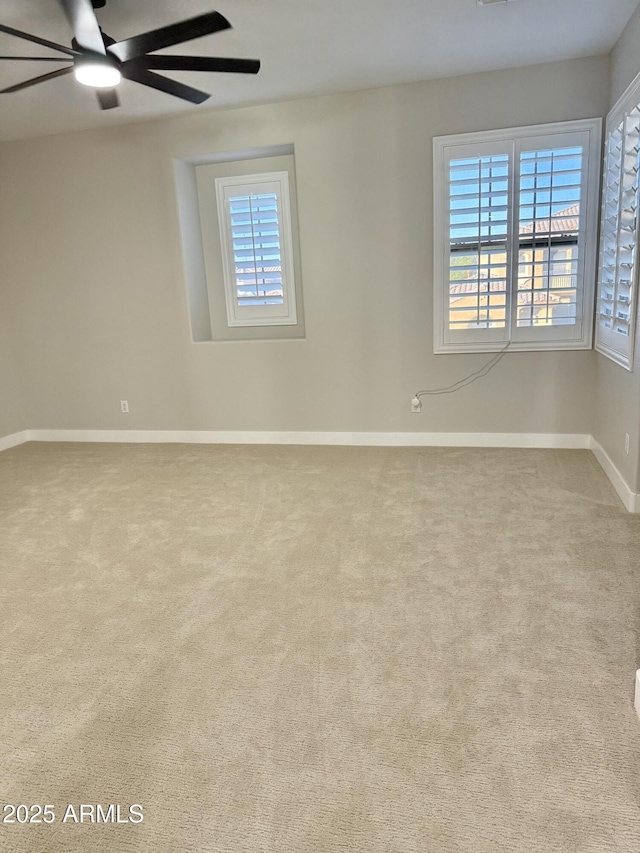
(626, 443)
(416, 405)
(124, 406)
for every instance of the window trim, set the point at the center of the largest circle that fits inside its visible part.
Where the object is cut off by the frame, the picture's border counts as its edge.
(498, 142)
(258, 315)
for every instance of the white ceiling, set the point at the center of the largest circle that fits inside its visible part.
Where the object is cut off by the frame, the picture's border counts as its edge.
(307, 47)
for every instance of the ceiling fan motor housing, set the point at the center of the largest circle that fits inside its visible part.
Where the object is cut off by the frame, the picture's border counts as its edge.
(101, 70)
(108, 41)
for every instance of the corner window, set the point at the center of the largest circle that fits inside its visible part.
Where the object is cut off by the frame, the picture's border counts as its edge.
(254, 217)
(618, 274)
(515, 238)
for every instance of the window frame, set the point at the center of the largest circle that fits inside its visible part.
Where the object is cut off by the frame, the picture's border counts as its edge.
(258, 315)
(514, 142)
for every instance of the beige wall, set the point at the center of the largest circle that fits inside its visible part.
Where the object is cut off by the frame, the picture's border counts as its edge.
(99, 281)
(617, 391)
(12, 402)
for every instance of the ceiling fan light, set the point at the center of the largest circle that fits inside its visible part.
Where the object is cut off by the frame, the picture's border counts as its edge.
(100, 75)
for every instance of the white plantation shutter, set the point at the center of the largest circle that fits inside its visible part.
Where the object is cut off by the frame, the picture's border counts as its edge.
(516, 223)
(257, 250)
(618, 274)
(556, 236)
(549, 225)
(478, 226)
(255, 238)
(472, 305)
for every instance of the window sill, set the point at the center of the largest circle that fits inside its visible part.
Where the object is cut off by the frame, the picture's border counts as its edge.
(514, 346)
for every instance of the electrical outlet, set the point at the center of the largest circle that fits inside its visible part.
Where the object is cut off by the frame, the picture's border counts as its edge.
(416, 405)
(626, 443)
(124, 406)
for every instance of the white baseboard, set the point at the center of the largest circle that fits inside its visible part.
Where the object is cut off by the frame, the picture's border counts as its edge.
(630, 499)
(565, 441)
(371, 439)
(15, 439)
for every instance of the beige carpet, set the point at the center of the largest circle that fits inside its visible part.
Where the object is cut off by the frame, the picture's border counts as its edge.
(318, 650)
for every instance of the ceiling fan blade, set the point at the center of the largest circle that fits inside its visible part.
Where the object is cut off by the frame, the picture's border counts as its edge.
(201, 63)
(84, 24)
(37, 58)
(34, 80)
(193, 28)
(107, 98)
(36, 40)
(171, 87)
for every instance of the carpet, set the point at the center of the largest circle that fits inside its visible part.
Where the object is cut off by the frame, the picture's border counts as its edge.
(316, 650)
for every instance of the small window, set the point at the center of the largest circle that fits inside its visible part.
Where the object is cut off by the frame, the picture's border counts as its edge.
(618, 274)
(515, 231)
(257, 249)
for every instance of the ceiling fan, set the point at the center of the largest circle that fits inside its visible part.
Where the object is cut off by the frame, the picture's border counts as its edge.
(100, 61)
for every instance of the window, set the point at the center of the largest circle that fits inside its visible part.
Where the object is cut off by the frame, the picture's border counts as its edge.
(202, 250)
(515, 238)
(257, 254)
(618, 273)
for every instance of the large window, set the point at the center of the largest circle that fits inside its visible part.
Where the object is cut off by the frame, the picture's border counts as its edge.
(515, 238)
(618, 275)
